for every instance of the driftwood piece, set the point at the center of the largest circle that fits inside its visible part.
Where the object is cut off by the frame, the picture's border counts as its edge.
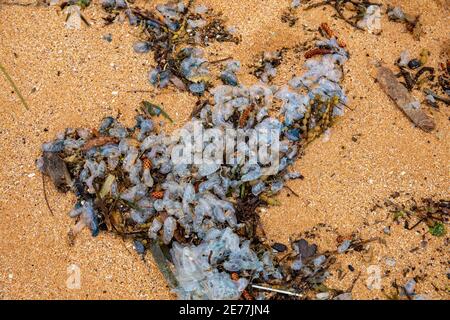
(404, 100)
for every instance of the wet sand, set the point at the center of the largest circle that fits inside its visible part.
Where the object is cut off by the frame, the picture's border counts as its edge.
(73, 78)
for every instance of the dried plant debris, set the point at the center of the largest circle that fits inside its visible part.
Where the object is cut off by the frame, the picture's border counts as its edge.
(306, 268)
(266, 64)
(429, 218)
(80, 3)
(13, 85)
(417, 75)
(412, 23)
(305, 271)
(289, 15)
(360, 14)
(174, 33)
(203, 215)
(434, 214)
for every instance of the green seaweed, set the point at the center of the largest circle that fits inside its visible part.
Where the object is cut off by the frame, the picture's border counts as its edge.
(438, 229)
(155, 110)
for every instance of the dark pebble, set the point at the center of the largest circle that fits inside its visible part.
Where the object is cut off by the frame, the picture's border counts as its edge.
(107, 37)
(414, 64)
(350, 267)
(279, 247)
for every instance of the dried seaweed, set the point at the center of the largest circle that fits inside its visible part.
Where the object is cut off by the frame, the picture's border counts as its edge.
(173, 39)
(433, 213)
(343, 7)
(288, 16)
(265, 66)
(433, 81)
(162, 264)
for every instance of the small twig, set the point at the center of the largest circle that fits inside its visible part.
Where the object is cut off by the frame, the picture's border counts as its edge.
(293, 192)
(318, 4)
(220, 60)
(350, 289)
(365, 3)
(83, 18)
(19, 4)
(416, 224)
(403, 99)
(337, 7)
(139, 90)
(277, 290)
(45, 195)
(10, 80)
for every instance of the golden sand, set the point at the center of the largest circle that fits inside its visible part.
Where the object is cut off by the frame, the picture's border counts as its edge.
(73, 78)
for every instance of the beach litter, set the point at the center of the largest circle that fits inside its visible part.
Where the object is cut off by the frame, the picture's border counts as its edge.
(174, 33)
(289, 15)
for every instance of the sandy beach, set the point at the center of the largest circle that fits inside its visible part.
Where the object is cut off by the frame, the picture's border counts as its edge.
(74, 78)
